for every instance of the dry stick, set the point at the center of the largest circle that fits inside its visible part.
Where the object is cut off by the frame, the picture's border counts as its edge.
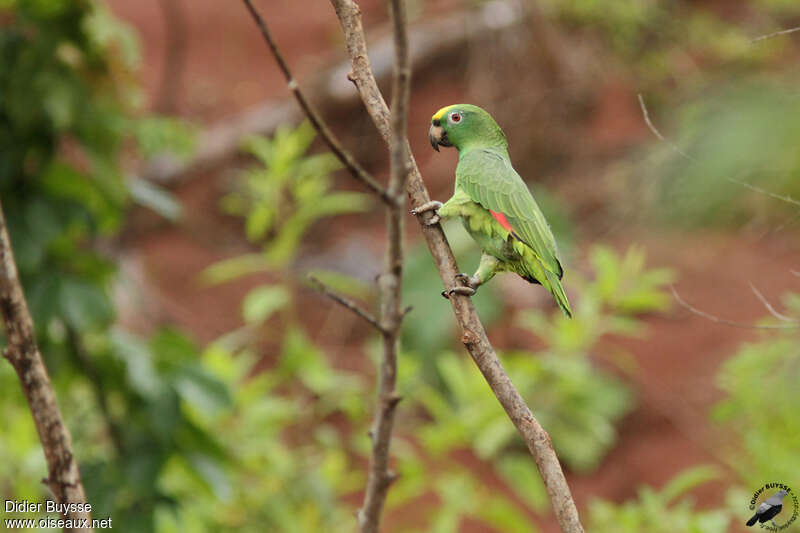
(380, 478)
(63, 479)
(775, 34)
(705, 314)
(772, 311)
(654, 130)
(319, 124)
(346, 302)
(473, 334)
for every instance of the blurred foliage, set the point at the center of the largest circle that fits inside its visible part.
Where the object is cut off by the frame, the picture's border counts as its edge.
(283, 198)
(741, 153)
(666, 511)
(288, 461)
(668, 41)
(575, 402)
(69, 110)
(762, 397)
(280, 199)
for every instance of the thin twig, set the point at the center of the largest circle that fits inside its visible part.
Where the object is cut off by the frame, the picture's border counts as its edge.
(772, 311)
(676, 148)
(655, 131)
(473, 333)
(346, 302)
(434, 40)
(699, 312)
(316, 119)
(380, 477)
(794, 273)
(775, 34)
(22, 352)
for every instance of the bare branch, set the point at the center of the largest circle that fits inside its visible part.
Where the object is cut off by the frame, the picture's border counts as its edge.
(316, 119)
(795, 273)
(655, 131)
(22, 352)
(347, 303)
(380, 477)
(689, 307)
(433, 40)
(769, 307)
(646, 115)
(774, 34)
(473, 333)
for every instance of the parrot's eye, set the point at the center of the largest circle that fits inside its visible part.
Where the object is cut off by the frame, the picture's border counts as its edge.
(455, 118)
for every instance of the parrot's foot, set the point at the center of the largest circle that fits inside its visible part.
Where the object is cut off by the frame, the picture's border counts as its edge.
(464, 291)
(468, 289)
(469, 281)
(434, 206)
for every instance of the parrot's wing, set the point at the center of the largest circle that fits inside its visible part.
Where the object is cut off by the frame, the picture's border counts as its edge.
(490, 180)
(763, 507)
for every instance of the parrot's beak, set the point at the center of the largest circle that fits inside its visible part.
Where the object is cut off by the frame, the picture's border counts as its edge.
(438, 137)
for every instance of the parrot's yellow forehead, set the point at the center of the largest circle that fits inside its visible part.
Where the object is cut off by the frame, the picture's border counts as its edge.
(439, 114)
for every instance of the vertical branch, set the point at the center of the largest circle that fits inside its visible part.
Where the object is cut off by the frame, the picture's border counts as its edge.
(473, 333)
(22, 352)
(390, 281)
(380, 477)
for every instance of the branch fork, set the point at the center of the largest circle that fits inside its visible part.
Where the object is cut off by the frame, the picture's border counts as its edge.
(405, 175)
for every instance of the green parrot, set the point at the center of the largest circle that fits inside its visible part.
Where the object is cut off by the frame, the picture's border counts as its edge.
(494, 204)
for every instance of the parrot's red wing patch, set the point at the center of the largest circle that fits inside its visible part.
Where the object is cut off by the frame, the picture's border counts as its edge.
(501, 218)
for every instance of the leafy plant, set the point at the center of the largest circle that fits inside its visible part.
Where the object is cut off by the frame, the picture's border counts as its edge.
(69, 109)
(742, 154)
(575, 402)
(281, 199)
(761, 403)
(667, 510)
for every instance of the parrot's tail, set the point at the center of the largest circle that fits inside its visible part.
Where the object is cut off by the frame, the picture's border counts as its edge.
(558, 293)
(753, 520)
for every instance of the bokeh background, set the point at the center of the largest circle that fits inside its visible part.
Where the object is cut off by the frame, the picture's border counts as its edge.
(166, 202)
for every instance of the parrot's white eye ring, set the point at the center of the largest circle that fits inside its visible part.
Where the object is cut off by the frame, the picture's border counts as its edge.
(455, 117)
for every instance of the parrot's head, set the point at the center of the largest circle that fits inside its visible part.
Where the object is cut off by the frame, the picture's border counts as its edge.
(463, 125)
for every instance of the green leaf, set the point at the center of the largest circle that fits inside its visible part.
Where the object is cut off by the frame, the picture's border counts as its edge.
(262, 302)
(203, 390)
(234, 268)
(687, 480)
(520, 473)
(84, 304)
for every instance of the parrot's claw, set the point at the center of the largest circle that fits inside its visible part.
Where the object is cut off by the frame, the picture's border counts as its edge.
(464, 291)
(470, 286)
(433, 205)
(469, 281)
